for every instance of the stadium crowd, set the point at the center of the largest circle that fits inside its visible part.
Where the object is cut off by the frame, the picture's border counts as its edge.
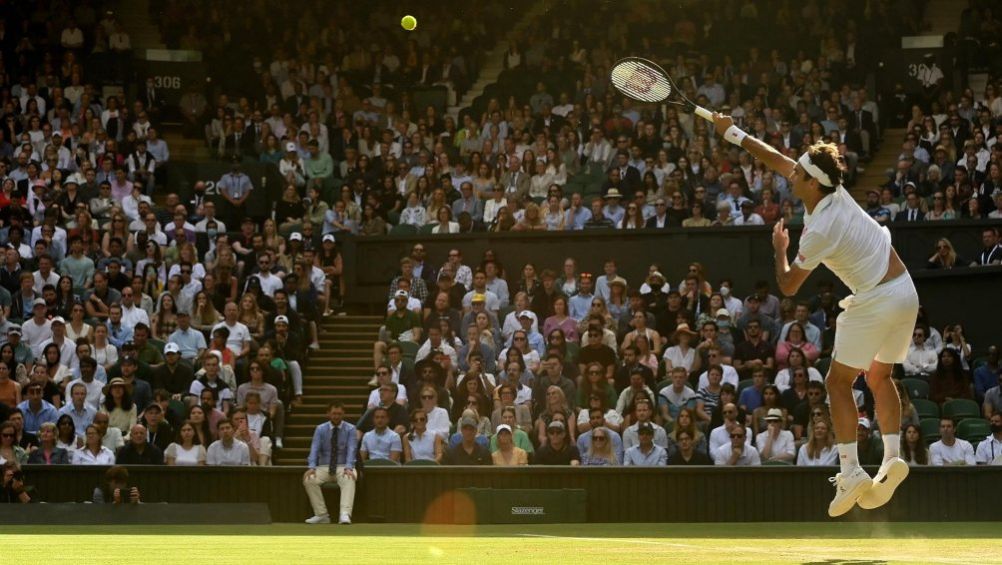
(140, 326)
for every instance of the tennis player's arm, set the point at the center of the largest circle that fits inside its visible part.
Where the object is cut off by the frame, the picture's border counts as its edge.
(768, 155)
(789, 277)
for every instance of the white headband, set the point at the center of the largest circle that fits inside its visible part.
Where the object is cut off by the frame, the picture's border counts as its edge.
(814, 170)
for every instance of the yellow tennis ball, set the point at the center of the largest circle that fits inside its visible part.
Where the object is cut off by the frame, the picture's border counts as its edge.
(408, 23)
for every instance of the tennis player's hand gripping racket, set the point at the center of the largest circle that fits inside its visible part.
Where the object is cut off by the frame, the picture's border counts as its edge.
(646, 81)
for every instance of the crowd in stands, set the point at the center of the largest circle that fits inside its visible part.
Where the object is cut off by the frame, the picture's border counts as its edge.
(142, 327)
(136, 326)
(477, 364)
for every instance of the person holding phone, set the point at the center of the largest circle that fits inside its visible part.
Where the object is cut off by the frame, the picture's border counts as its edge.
(117, 489)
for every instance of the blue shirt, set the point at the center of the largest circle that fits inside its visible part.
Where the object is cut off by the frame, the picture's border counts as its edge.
(235, 185)
(81, 419)
(584, 443)
(118, 336)
(615, 214)
(380, 445)
(750, 399)
(576, 219)
(579, 305)
(635, 457)
(189, 341)
(320, 448)
(985, 378)
(33, 421)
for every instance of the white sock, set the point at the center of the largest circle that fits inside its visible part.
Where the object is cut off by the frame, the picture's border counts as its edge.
(892, 446)
(847, 456)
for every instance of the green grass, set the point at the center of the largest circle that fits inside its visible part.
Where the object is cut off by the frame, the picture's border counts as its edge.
(834, 543)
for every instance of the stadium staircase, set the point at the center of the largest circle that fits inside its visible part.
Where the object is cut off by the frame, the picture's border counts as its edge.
(143, 32)
(340, 370)
(883, 162)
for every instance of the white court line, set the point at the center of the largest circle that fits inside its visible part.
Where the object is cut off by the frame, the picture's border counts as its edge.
(811, 552)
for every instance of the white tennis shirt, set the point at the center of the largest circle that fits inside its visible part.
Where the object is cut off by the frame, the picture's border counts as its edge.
(847, 240)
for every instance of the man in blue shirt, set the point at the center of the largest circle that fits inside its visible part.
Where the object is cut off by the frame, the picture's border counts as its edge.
(332, 458)
(580, 303)
(36, 410)
(235, 187)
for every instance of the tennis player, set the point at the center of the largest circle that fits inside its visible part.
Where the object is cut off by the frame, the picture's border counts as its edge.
(873, 331)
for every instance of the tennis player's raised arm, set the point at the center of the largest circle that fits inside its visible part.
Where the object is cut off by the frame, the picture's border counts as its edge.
(761, 151)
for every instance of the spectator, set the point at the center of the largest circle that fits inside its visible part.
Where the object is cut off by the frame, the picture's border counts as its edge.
(116, 489)
(93, 452)
(913, 448)
(921, 358)
(138, 450)
(468, 451)
(558, 449)
(380, 442)
(720, 434)
(645, 453)
(686, 453)
(738, 452)
(118, 405)
(643, 413)
(992, 252)
(111, 437)
(422, 443)
(12, 489)
(158, 430)
(989, 451)
(36, 411)
(949, 381)
(950, 450)
(988, 375)
(775, 443)
(507, 453)
(10, 451)
(227, 450)
(78, 408)
(820, 448)
(185, 450)
(677, 396)
(871, 449)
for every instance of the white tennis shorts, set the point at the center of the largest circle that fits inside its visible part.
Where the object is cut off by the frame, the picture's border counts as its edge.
(877, 324)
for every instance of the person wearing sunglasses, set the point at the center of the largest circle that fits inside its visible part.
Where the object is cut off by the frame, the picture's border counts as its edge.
(738, 452)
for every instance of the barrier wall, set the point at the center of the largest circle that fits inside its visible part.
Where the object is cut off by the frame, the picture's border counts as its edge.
(743, 254)
(615, 494)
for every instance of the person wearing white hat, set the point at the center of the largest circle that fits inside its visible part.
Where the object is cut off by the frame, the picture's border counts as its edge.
(291, 167)
(507, 454)
(776, 443)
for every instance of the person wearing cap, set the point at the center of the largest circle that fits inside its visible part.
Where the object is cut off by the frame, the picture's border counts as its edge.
(871, 449)
(173, 375)
(190, 343)
(874, 209)
(158, 430)
(507, 453)
(558, 449)
(37, 329)
(413, 303)
(291, 167)
(747, 215)
(468, 451)
(645, 453)
(776, 443)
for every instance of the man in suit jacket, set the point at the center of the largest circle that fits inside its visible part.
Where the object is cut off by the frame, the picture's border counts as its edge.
(238, 143)
(514, 180)
(912, 212)
(629, 176)
(332, 458)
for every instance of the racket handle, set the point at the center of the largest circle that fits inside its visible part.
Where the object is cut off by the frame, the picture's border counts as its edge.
(704, 113)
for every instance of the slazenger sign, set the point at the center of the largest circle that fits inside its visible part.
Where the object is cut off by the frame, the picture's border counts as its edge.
(528, 510)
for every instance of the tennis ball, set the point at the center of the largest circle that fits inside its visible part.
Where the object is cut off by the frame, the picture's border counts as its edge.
(408, 23)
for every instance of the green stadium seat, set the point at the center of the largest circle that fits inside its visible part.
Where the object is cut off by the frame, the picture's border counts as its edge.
(917, 388)
(960, 409)
(925, 408)
(974, 430)
(979, 362)
(776, 464)
(381, 463)
(409, 349)
(157, 343)
(403, 229)
(421, 463)
(930, 429)
(745, 383)
(426, 229)
(503, 313)
(661, 385)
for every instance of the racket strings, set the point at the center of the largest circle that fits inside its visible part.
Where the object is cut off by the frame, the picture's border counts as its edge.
(641, 82)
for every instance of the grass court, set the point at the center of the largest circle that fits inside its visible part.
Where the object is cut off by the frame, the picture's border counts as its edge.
(824, 543)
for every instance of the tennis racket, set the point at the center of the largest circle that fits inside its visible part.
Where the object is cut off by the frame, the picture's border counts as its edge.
(646, 81)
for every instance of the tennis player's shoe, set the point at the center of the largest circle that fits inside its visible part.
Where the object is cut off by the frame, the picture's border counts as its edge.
(849, 487)
(890, 475)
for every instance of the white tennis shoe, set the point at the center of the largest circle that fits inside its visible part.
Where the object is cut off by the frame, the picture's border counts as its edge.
(848, 489)
(890, 475)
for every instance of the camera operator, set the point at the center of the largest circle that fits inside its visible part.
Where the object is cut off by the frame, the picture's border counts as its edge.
(117, 490)
(13, 485)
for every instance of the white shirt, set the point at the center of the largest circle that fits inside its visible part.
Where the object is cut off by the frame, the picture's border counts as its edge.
(783, 443)
(438, 422)
(782, 380)
(95, 391)
(35, 334)
(847, 240)
(750, 456)
(730, 376)
(132, 315)
(239, 334)
(722, 436)
(237, 454)
(374, 396)
(989, 451)
(752, 220)
(677, 359)
(270, 283)
(828, 456)
(960, 453)
(85, 456)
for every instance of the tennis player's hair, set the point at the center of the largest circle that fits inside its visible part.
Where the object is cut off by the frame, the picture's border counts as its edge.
(827, 158)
